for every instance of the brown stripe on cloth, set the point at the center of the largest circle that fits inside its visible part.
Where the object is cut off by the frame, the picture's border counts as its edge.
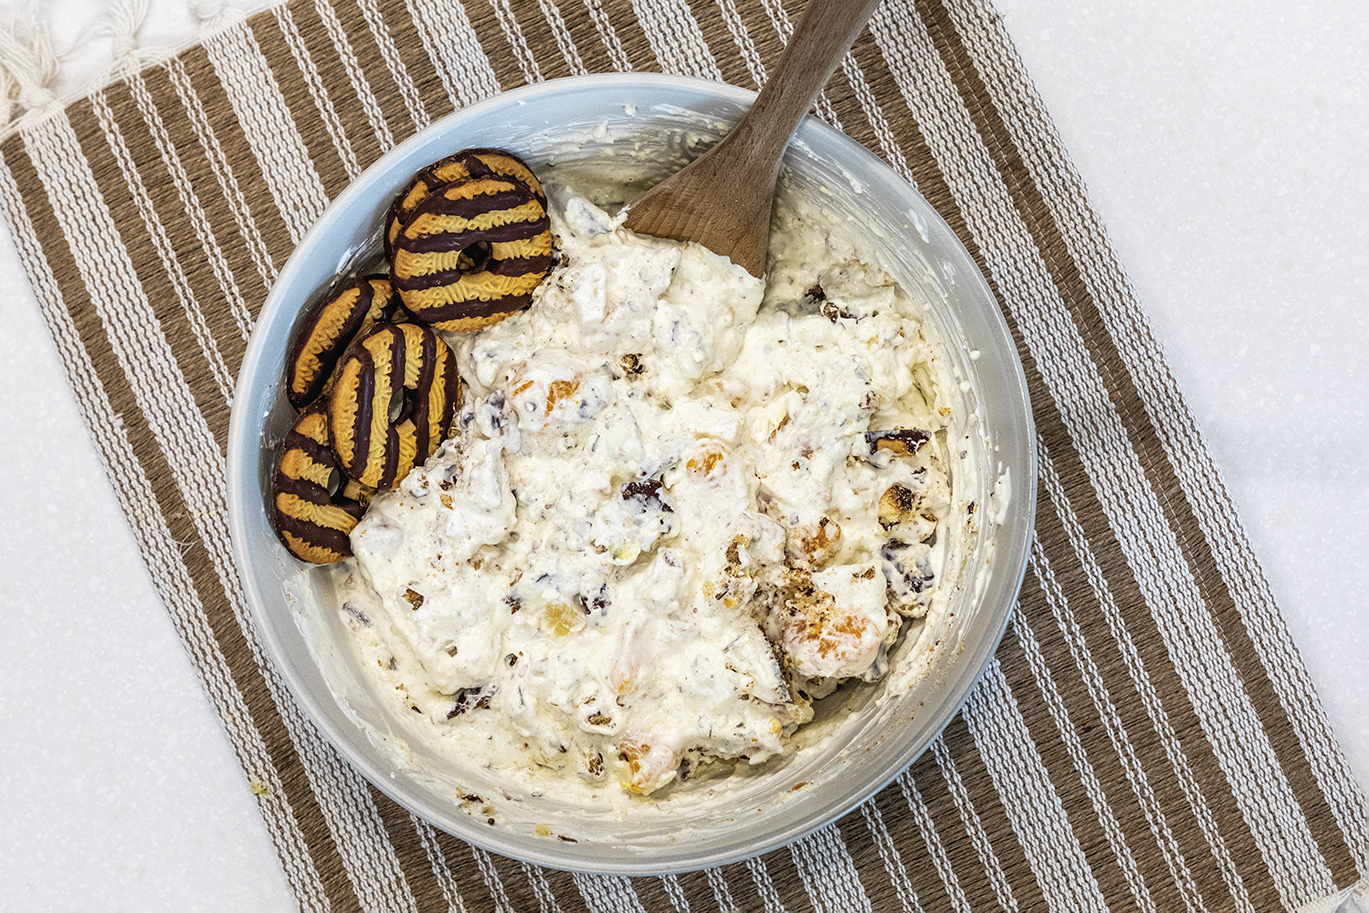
(595, 55)
(507, 58)
(624, 37)
(1145, 738)
(389, 64)
(247, 266)
(359, 123)
(210, 400)
(540, 43)
(1156, 714)
(419, 67)
(323, 148)
(159, 216)
(1130, 765)
(236, 188)
(728, 48)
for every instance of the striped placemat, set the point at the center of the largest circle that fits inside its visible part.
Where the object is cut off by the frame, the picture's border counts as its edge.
(1146, 737)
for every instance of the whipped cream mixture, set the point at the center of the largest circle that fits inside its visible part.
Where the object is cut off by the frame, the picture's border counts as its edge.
(679, 506)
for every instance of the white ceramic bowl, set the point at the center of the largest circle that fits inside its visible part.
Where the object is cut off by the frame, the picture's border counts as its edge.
(872, 734)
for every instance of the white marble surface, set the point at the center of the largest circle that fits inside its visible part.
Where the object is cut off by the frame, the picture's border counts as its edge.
(1224, 146)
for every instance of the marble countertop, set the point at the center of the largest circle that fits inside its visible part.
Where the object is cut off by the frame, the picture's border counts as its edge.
(1223, 146)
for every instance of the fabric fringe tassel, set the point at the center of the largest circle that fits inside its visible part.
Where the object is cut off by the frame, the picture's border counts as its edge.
(1354, 899)
(213, 14)
(125, 18)
(29, 63)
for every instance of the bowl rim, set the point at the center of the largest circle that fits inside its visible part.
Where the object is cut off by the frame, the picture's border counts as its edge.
(245, 430)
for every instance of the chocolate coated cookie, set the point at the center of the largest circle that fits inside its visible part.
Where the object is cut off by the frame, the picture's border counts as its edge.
(313, 504)
(472, 253)
(328, 329)
(468, 163)
(392, 402)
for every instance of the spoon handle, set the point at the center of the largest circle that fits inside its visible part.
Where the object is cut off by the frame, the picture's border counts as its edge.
(824, 33)
(722, 199)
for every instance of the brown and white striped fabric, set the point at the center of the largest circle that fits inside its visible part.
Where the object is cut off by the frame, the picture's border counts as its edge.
(1146, 737)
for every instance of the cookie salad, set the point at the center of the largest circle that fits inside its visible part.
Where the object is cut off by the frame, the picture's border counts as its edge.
(677, 508)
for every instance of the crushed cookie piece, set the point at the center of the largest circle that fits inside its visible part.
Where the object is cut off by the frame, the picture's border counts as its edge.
(470, 699)
(897, 441)
(896, 506)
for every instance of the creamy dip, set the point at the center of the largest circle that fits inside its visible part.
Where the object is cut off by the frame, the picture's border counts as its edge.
(679, 506)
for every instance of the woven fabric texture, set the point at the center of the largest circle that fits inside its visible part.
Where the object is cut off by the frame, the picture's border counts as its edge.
(1146, 737)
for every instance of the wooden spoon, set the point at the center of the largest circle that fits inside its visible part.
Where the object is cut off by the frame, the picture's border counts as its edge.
(722, 199)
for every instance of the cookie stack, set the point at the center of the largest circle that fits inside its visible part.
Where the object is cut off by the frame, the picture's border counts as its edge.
(468, 241)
